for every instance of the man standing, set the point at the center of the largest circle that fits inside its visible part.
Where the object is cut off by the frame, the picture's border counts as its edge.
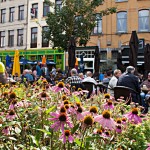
(38, 70)
(128, 79)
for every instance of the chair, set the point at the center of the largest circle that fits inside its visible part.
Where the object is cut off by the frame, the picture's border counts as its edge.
(127, 93)
(77, 85)
(89, 87)
(101, 87)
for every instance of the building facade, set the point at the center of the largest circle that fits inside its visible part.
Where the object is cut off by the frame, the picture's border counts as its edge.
(112, 32)
(13, 24)
(21, 26)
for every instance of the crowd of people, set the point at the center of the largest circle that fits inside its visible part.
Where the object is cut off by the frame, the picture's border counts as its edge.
(79, 80)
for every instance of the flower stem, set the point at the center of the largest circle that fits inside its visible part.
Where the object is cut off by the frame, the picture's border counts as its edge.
(82, 138)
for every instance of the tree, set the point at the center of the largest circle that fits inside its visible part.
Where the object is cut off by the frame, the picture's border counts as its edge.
(76, 18)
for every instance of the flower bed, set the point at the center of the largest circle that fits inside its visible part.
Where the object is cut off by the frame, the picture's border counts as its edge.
(54, 118)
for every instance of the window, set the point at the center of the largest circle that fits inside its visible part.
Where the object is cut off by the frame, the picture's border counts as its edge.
(2, 38)
(10, 38)
(3, 14)
(122, 22)
(34, 10)
(21, 13)
(144, 20)
(33, 37)
(11, 14)
(98, 26)
(20, 37)
(45, 42)
(46, 9)
(58, 5)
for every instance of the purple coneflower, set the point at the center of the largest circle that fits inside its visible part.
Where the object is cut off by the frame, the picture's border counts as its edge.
(59, 87)
(67, 134)
(72, 109)
(133, 116)
(13, 104)
(88, 121)
(105, 120)
(79, 114)
(109, 105)
(118, 129)
(93, 111)
(6, 131)
(124, 121)
(11, 115)
(80, 92)
(60, 120)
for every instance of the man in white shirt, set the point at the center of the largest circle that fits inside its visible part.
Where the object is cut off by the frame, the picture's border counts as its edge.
(113, 82)
(89, 83)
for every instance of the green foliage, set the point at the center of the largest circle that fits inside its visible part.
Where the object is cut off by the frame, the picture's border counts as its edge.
(76, 18)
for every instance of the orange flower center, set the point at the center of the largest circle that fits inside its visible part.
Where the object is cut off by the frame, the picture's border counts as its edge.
(135, 111)
(88, 120)
(62, 117)
(106, 114)
(67, 132)
(61, 85)
(93, 109)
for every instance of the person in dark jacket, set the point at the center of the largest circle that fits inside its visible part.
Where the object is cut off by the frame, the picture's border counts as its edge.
(128, 79)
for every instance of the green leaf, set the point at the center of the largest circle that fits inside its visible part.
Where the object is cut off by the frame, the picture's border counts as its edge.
(44, 131)
(17, 130)
(34, 140)
(78, 142)
(50, 109)
(74, 129)
(77, 99)
(12, 138)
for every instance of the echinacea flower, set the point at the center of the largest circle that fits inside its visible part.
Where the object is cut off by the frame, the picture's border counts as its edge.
(105, 120)
(133, 116)
(124, 121)
(44, 96)
(13, 103)
(93, 111)
(11, 115)
(107, 95)
(60, 120)
(24, 104)
(79, 114)
(6, 131)
(88, 120)
(66, 102)
(109, 105)
(72, 109)
(80, 92)
(148, 146)
(64, 97)
(66, 136)
(12, 95)
(59, 87)
(98, 131)
(118, 121)
(118, 129)
(5, 94)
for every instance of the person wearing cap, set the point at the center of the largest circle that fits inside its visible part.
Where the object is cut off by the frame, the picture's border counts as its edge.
(128, 79)
(3, 74)
(145, 87)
